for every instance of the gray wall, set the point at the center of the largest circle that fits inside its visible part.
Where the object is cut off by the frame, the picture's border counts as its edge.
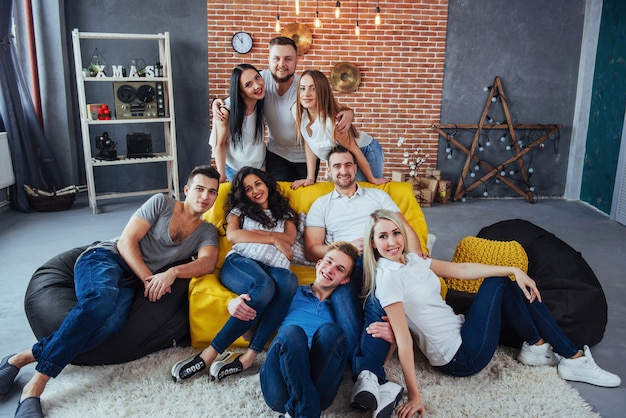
(186, 23)
(534, 47)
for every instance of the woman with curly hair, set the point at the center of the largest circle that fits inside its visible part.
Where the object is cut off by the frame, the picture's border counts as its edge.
(262, 228)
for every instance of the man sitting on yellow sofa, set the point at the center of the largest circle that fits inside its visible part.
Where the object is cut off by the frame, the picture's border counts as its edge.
(342, 215)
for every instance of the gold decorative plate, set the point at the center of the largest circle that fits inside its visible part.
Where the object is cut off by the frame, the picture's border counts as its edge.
(345, 77)
(300, 34)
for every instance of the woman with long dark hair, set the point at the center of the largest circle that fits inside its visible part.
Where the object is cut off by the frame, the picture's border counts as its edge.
(262, 228)
(237, 141)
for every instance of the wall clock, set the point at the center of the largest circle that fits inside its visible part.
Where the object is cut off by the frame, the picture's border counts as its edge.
(242, 42)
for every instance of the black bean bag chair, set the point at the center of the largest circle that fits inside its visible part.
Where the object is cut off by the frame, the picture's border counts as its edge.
(150, 326)
(568, 286)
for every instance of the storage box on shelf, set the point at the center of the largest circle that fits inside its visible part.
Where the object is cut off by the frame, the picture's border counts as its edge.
(138, 98)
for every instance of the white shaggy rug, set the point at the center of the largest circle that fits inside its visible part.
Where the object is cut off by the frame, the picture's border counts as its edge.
(144, 387)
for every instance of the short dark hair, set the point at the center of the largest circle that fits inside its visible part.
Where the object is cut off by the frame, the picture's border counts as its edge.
(340, 149)
(205, 170)
(283, 40)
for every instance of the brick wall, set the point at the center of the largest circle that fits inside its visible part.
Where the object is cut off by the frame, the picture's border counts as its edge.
(401, 61)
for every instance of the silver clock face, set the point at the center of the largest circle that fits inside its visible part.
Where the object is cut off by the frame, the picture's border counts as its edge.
(242, 42)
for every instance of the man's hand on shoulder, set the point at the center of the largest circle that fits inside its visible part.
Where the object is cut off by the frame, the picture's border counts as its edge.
(358, 243)
(218, 108)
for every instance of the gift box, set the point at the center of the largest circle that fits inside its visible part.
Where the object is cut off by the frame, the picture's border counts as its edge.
(444, 191)
(397, 176)
(431, 172)
(424, 190)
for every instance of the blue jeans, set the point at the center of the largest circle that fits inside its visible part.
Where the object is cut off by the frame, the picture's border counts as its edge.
(364, 351)
(230, 172)
(374, 155)
(284, 170)
(498, 299)
(303, 385)
(104, 289)
(271, 290)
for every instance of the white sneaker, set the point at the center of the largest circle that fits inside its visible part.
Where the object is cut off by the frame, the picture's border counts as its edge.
(537, 355)
(390, 394)
(365, 394)
(585, 369)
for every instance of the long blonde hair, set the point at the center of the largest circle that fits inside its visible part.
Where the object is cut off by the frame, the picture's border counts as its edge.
(370, 254)
(327, 106)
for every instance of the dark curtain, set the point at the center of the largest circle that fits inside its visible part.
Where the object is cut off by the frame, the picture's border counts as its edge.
(33, 160)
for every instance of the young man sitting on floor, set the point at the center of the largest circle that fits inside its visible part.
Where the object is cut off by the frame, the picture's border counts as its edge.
(161, 232)
(300, 385)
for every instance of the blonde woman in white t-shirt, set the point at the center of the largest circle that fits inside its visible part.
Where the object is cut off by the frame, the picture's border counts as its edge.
(237, 139)
(408, 289)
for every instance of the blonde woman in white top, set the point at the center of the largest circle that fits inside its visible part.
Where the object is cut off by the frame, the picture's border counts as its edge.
(315, 112)
(408, 289)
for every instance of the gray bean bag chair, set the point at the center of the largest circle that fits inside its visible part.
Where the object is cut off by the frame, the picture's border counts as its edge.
(150, 326)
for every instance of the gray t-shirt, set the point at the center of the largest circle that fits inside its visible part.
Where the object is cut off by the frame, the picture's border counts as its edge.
(280, 122)
(157, 248)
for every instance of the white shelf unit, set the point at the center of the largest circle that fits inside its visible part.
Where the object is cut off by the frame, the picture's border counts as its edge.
(168, 158)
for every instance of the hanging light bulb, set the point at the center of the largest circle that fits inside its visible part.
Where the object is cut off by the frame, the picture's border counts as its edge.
(318, 22)
(357, 29)
(297, 7)
(337, 9)
(377, 18)
(277, 26)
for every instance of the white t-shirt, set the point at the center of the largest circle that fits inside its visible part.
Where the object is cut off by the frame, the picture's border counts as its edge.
(435, 325)
(250, 152)
(267, 254)
(321, 139)
(281, 124)
(343, 217)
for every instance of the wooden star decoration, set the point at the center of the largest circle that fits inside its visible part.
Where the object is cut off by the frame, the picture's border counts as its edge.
(497, 92)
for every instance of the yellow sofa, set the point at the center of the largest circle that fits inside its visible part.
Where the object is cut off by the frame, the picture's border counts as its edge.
(208, 299)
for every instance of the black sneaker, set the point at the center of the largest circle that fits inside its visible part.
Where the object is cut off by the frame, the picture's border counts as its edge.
(187, 368)
(227, 366)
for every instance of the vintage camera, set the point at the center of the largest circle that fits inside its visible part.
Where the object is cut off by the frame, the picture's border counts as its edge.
(107, 147)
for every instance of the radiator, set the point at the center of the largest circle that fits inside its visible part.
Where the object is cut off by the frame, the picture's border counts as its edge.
(7, 177)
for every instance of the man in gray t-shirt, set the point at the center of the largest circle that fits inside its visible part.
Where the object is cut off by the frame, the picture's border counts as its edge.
(161, 232)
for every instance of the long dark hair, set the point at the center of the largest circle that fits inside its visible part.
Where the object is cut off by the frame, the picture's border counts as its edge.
(278, 204)
(238, 108)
